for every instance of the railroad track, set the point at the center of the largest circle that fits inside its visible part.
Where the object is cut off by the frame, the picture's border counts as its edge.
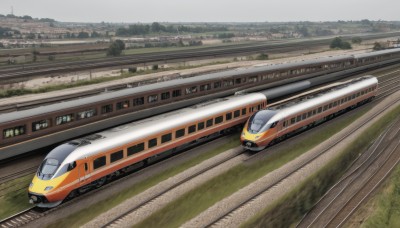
(221, 220)
(17, 174)
(331, 210)
(33, 69)
(133, 209)
(35, 213)
(29, 71)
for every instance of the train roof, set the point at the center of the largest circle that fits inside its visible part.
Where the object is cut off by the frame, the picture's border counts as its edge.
(17, 115)
(374, 53)
(136, 131)
(331, 95)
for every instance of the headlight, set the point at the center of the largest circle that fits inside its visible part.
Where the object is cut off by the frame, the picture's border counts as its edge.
(31, 185)
(48, 188)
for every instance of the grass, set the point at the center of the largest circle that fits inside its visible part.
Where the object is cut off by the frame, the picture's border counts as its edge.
(288, 211)
(25, 91)
(196, 201)
(386, 210)
(13, 196)
(85, 215)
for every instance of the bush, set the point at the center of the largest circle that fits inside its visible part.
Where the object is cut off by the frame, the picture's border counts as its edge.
(262, 56)
(337, 42)
(378, 46)
(132, 69)
(154, 67)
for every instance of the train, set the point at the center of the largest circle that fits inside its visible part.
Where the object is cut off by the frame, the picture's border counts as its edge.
(77, 166)
(274, 124)
(26, 130)
(86, 163)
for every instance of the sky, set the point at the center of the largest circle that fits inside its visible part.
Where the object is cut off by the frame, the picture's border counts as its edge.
(132, 11)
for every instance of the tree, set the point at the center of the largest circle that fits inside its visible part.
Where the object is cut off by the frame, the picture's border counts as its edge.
(337, 42)
(83, 35)
(262, 56)
(116, 48)
(377, 46)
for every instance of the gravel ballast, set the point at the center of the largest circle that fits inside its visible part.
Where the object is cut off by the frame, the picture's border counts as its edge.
(269, 197)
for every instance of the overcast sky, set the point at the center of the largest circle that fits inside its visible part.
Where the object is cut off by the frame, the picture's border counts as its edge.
(204, 10)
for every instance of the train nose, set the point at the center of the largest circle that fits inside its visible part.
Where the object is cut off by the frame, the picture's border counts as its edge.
(249, 144)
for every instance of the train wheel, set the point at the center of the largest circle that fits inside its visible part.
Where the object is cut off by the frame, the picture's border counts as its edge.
(100, 182)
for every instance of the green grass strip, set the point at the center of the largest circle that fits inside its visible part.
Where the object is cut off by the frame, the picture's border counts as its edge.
(290, 209)
(386, 209)
(14, 196)
(85, 215)
(196, 201)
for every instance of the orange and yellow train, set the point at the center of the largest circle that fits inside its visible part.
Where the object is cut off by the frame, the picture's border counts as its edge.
(77, 166)
(268, 126)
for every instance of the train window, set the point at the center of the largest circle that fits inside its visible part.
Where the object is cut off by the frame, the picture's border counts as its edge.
(138, 101)
(330, 105)
(176, 93)
(136, 148)
(152, 143)
(236, 113)
(205, 87)
(166, 138)
(209, 123)
(39, 125)
(228, 116)
(238, 80)
(86, 167)
(353, 96)
(116, 156)
(14, 131)
(253, 79)
(325, 107)
(309, 114)
(86, 114)
(123, 105)
(99, 162)
(179, 133)
(200, 126)
(335, 104)
(304, 116)
(165, 96)
(319, 109)
(285, 123)
(106, 108)
(293, 120)
(314, 111)
(219, 119)
(228, 83)
(217, 85)
(298, 118)
(362, 92)
(152, 98)
(192, 129)
(358, 94)
(244, 111)
(64, 119)
(259, 107)
(191, 90)
(342, 101)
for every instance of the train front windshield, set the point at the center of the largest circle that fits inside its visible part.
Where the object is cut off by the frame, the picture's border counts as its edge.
(48, 168)
(259, 121)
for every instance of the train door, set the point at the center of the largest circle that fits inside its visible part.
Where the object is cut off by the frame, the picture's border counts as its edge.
(84, 174)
